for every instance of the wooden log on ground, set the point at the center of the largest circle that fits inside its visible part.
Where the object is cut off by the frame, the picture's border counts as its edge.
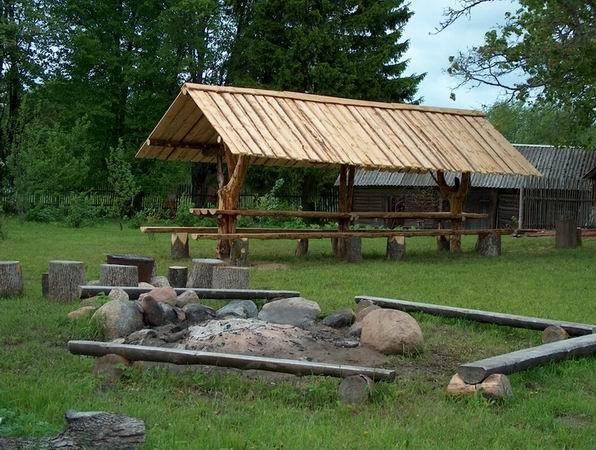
(231, 277)
(11, 278)
(396, 248)
(517, 361)
(118, 275)
(87, 430)
(355, 389)
(65, 279)
(178, 276)
(488, 244)
(203, 293)
(201, 272)
(353, 249)
(180, 247)
(45, 285)
(495, 386)
(185, 357)
(511, 320)
(239, 253)
(566, 233)
(301, 247)
(146, 266)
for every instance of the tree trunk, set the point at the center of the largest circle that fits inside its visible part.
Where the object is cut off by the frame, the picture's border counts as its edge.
(239, 253)
(65, 279)
(345, 200)
(11, 278)
(180, 248)
(118, 275)
(301, 247)
(230, 277)
(396, 248)
(178, 276)
(456, 195)
(201, 273)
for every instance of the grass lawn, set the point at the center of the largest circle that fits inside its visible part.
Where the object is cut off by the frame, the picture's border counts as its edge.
(554, 405)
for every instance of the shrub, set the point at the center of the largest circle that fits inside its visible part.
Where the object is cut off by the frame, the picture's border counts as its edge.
(81, 212)
(44, 214)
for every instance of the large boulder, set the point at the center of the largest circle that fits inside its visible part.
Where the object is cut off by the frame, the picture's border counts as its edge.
(158, 313)
(83, 311)
(391, 332)
(118, 319)
(295, 311)
(160, 281)
(197, 313)
(339, 319)
(187, 298)
(118, 294)
(162, 295)
(244, 309)
(363, 312)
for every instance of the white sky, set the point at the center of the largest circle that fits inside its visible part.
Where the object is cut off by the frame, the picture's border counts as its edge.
(430, 52)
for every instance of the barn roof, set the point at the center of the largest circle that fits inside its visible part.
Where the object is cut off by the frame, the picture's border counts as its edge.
(294, 129)
(562, 168)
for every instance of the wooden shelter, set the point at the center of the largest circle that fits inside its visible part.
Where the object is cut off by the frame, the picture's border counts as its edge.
(235, 128)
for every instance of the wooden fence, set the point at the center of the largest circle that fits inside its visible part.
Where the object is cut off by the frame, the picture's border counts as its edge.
(542, 207)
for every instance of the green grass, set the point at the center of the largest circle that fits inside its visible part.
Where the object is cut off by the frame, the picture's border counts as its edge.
(554, 405)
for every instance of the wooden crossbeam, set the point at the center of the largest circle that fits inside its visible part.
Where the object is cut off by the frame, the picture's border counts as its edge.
(205, 148)
(511, 320)
(190, 230)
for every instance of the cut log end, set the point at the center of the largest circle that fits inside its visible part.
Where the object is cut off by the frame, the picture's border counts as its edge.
(495, 386)
(355, 389)
(178, 276)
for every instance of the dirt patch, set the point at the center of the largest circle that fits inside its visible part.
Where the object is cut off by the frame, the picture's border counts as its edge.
(270, 266)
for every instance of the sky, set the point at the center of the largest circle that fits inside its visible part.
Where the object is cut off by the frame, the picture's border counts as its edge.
(430, 52)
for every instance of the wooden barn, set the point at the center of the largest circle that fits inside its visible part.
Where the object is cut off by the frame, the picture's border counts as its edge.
(509, 200)
(591, 175)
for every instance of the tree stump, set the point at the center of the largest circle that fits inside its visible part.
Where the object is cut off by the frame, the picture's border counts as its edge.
(201, 273)
(11, 278)
(231, 277)
(178, 276)
(442, 243)
(353, 249)
(145, 265)
(488, 244)
(396, 248)
(495, 386)
(180, 248)
(553, 334)
(239, 253)
(119, 275)
(45, 285)
(301, 247)
(566, 233)
(65, 279)
(355, 389)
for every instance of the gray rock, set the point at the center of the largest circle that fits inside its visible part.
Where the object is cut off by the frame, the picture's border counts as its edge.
(118, 319)
(244, 309)
(355, 330)
(83, 311)
(153, 313)
(295, 311)
(391, 332)
(162, 295)
(362, 313)
(145, 285)
(196, 313)
(172, 314)
(186, 298)
(118, 294)
(92, 301)
(340, 319)
(160, 281)
(347, 343)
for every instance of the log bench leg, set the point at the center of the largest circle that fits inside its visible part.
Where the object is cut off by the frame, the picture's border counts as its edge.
(396, 248)
(239, 253)
(489, 244)
(442, 243)
(353, 249)
(179, 249)
(301, 247)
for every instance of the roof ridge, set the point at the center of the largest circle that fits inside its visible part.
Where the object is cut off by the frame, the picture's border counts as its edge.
(329, 99)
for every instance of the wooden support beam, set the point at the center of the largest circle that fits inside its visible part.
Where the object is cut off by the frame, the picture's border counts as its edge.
(527, 358)
(511, 320)
(210, 149)
(203, 293)
(245, 362)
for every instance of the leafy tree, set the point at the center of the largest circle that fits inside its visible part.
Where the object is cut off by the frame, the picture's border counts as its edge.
(548, 45)
(121, 181)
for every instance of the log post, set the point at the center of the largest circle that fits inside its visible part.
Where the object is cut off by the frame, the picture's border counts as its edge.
(442, 243)
(489, 244)
(118, 275)
(65, 279)
(396, 248)
(178, 276)
(301, 247)
(201, 272)
(228, 194)
(456, 196)
(346, 201)
(45, 285)
(11, 278)
(353, 249)
(231, 277)
(179, 248)
(567, 233)
(239, 253)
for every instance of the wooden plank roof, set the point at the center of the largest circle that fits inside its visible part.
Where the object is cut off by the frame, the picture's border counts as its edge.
(295, 129)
